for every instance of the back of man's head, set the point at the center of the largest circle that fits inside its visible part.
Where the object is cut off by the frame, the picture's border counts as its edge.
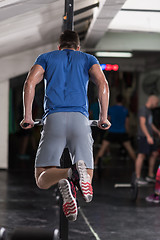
(69, 39)
(119, 98)
(152, 101)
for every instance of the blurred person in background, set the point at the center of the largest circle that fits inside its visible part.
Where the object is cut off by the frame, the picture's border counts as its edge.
(146, 141)
(118, 132)
(155, 197)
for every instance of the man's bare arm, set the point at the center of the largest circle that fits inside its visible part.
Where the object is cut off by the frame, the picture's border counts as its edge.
(34, 77)
(99, 79)
(145, 130)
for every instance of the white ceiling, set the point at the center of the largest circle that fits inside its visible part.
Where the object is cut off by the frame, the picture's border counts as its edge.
(99, 26)
(27, 24)
(135, 15)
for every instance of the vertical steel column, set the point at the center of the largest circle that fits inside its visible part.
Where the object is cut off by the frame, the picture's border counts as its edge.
(63, 226)
(65, 159)
(68, 15)
(63, 223)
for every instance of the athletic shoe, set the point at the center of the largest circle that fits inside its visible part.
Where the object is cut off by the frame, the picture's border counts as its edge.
(84, 183)
(150, 179)
(73, 174)
(141, 181)
(68, 193)
(153, 198)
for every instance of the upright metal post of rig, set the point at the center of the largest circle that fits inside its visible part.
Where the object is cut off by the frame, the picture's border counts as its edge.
(68, 15)
(65, 159)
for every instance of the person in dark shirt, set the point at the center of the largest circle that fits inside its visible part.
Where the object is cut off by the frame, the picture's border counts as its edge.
(146, 141)
(118, 132)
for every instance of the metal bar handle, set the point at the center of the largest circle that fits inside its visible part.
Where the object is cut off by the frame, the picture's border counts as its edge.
(93, 123)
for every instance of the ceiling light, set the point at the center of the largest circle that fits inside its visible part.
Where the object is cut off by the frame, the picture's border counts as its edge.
(114, 54)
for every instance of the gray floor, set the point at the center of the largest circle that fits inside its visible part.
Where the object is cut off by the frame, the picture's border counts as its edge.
(111, 215)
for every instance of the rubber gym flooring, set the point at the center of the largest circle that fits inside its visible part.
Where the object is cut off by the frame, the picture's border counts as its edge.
(111, 215)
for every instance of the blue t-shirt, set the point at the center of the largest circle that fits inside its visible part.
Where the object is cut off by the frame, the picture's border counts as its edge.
(66, 80)
(118, 115)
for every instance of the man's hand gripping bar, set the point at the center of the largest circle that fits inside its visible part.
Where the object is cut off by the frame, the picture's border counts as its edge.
(93, 123)
(37, 122)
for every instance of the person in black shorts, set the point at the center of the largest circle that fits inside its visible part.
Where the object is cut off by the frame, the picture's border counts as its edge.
(118, 131)
(146, 141)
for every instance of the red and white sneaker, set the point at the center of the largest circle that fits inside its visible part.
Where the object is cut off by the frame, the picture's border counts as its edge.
(84, 184)
(68, 193)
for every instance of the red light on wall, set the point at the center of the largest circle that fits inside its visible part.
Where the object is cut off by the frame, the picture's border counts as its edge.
(115, 67)
(110, 67)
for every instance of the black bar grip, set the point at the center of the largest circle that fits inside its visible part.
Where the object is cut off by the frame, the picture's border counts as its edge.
(104, 125)
(25, 125)
(95, 123)
(37, 122)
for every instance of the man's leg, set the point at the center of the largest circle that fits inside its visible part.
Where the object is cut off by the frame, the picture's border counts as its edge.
(130, 150)
(152, 161)
(90, 172)
(138, 164)
(49, 176)
(80, 145)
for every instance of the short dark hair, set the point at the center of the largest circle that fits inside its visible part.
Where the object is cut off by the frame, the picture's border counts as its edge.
(69, 39)
(119, 98)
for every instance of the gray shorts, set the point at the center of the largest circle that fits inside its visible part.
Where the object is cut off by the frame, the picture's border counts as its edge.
(65, 129)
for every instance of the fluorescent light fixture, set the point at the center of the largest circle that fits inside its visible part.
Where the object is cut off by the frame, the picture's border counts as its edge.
(114, 54)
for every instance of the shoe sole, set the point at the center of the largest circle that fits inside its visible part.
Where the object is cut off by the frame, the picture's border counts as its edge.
(142, 183)
(150, 180)
(86, 190)
(69, 202)
(84, 186)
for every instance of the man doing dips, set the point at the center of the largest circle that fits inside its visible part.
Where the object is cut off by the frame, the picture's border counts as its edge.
(66, 73)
